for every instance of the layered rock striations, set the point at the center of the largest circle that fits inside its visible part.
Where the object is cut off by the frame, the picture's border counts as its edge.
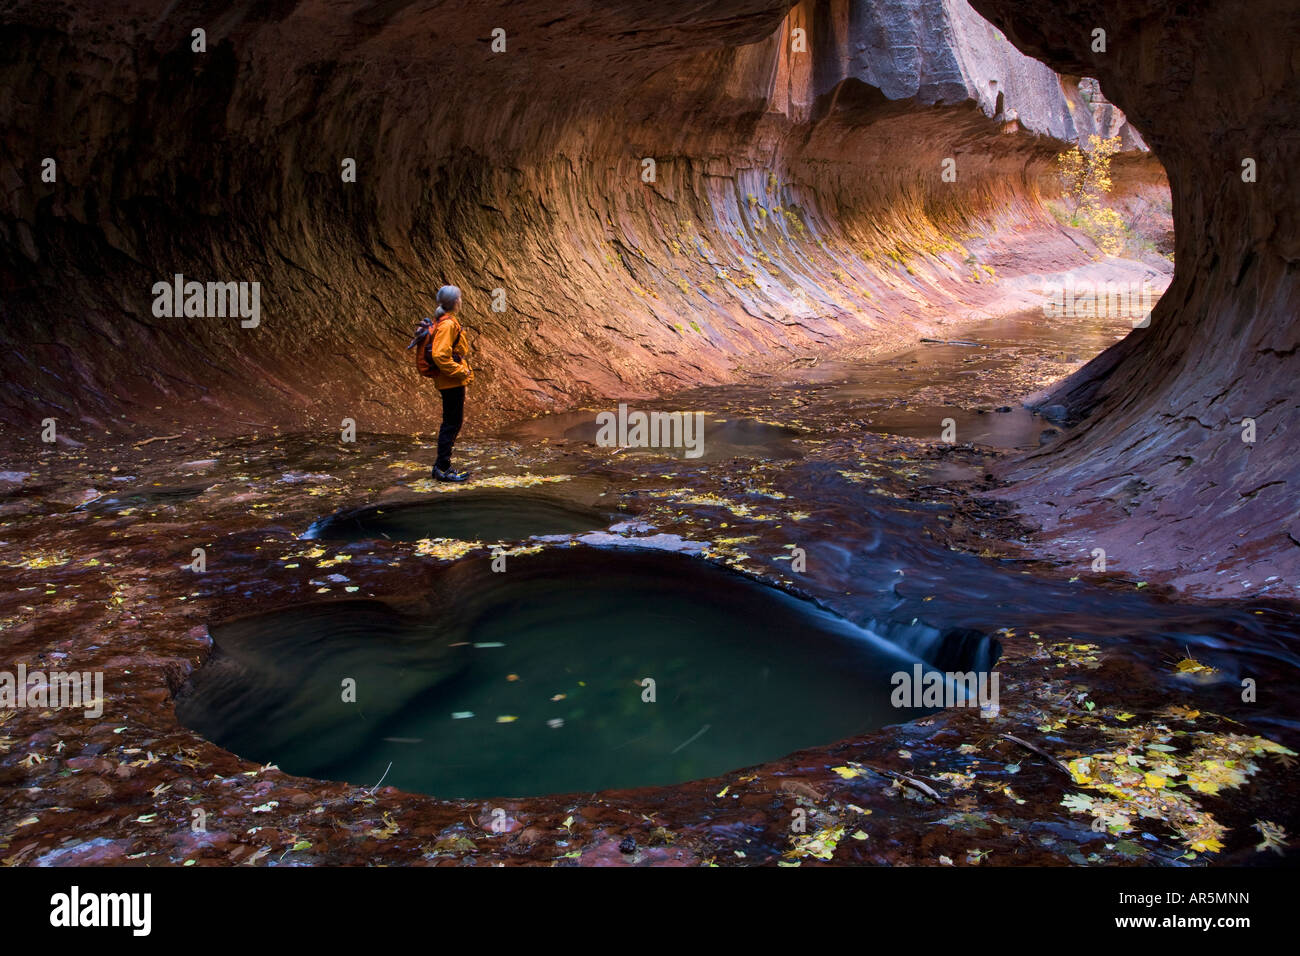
(1186, 457)
(796, 198)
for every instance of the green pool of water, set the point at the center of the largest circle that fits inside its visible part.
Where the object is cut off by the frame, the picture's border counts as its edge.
(533, 681)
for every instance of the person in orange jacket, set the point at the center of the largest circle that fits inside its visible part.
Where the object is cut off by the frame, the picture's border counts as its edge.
(453, 375)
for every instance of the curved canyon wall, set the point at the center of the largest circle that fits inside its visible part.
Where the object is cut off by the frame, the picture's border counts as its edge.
(797, 197)
(1187, 460)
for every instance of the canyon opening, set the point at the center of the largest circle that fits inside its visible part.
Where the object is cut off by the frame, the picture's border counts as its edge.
(745, 433)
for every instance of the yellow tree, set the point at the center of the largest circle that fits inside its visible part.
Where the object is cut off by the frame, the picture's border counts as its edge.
(1085, 174)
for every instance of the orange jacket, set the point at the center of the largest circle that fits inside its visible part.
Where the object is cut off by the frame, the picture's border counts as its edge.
(449, 351)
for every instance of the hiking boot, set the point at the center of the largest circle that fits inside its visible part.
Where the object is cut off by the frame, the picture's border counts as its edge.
(448, 475)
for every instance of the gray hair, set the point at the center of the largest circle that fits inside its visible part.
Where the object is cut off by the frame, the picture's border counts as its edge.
(448, 296)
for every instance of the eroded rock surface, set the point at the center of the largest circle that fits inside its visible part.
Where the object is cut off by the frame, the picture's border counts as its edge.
(797, 200)
(1161, 476)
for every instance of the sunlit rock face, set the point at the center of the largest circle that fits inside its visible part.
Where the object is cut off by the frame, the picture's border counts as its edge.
(798, 158)
(1161, 475)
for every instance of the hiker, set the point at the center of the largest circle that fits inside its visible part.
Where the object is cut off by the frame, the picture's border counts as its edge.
(441, 356)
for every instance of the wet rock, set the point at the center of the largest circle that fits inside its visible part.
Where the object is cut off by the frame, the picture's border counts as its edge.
(73, 497)
(1224, 335)
(630, 527)
(93, 764)
(496, 820)
(96, 852)
(297, 798)
(533, 834)
(661, 836)
(659, 542)
(188, 841)
(86, 789)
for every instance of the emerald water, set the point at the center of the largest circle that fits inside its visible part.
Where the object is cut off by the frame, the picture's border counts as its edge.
(532, 681)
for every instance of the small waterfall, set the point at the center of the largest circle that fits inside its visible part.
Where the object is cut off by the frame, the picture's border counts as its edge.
(950, 649)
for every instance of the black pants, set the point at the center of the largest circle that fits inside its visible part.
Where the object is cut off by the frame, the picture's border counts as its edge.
(453, 416)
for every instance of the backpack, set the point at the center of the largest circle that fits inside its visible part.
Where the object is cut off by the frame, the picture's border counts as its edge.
(422, 342)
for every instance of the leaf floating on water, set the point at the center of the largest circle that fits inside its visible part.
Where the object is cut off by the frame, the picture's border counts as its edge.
(958, 781)
(507, 719)
(848, 773)
(1275, 838)
(1075, 655)
(820, 845)
(496, 481)
(1189, 665)
(445, 549)
(1127, 792)
(1078, 803)
(264, 851)
(462, 715)
(37, 560)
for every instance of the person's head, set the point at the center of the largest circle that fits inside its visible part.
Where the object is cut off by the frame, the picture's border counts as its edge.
(448, 299)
